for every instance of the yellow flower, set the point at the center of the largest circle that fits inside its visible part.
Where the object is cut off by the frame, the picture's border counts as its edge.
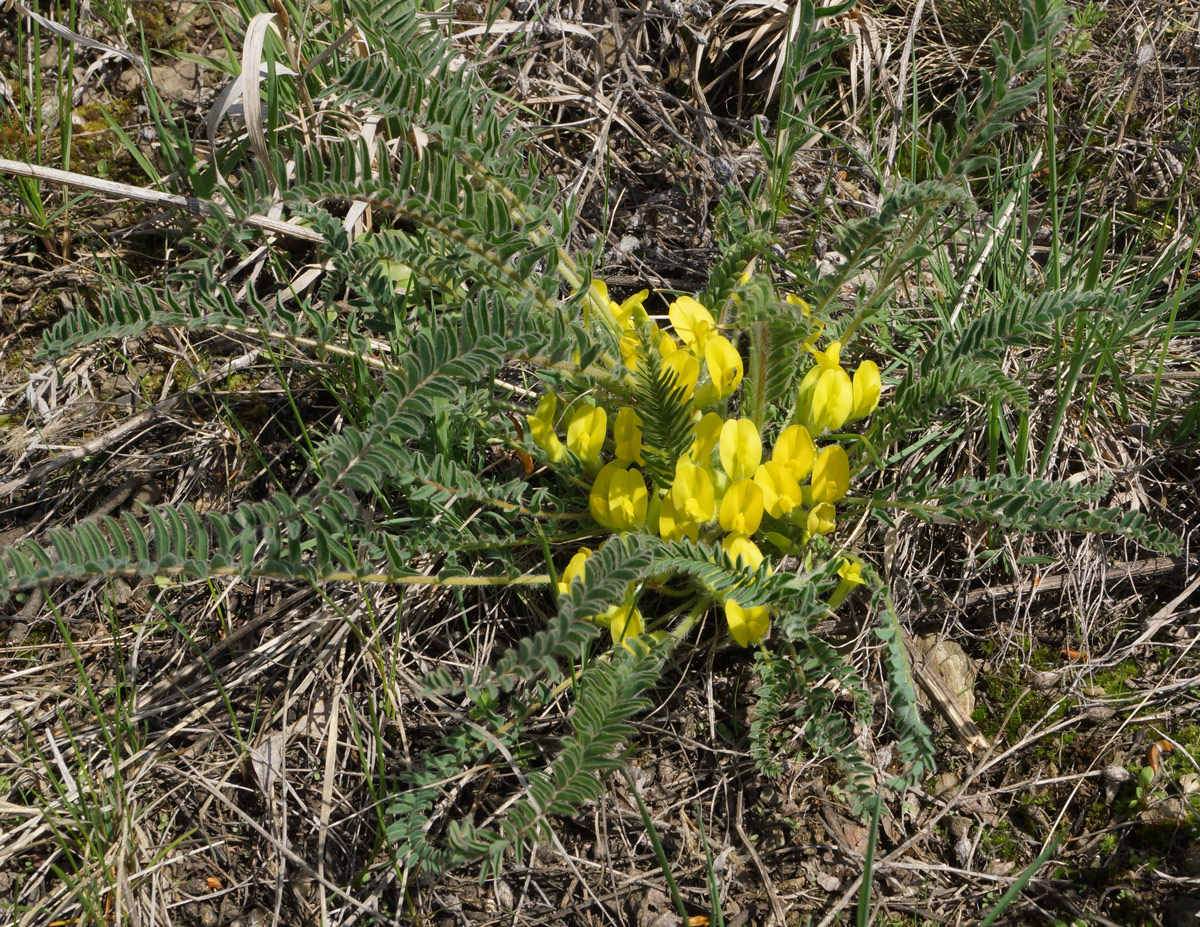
(674, 525)
(692, 493)
(541, 429)
(746, 625)
(630, 347)
(585, 433)
(781, 490)
(831, 475)
(688, 505)
(826, 395)
(797, 301)
(627, 431)
(693, 323)
(687, 370)
(598, 497)
(625, 623)
(597, 296)
(795, 448)
(742, 507)
(627, 500)
(821, 519)
(708, 433)
(851, 578)
(627, 313)
(867, 386)
(742, 551)
(575, 570)
(740, 448)
(724, 365)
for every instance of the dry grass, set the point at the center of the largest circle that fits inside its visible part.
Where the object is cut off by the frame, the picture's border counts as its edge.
(223, 752)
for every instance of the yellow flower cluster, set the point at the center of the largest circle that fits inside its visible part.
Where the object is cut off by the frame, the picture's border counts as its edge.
(829, 398)
(723, 485)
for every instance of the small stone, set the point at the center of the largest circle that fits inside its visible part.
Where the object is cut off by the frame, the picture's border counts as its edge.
(957, 669)
(1043, 679)
(1116, 775)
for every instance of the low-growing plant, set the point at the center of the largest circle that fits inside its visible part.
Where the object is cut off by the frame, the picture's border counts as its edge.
(697, 472)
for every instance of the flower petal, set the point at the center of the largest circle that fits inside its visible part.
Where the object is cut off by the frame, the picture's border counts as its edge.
(740, 448)
(742, 507)
(795, 447)
(747, 626)
(541, 429)
(585, 433)
(627, 432)
(574, 570)
(867, 387)
(724, 365)
(831, 475)
(693, 323)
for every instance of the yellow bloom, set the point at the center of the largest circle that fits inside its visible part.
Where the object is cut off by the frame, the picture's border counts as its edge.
(597, 296)
(851, 578)
(630, 347)
(797, 301)
(830, 357)
(742, 507)
(740, 448)
(689, 504)
(692, 493)
(575, 570)
(826, 395)
(742, 551)
(821, 519)
(674, 525)
(781, 490)
(627, 500)
(795, 448)
(746, 625)
(627, 431)
(708, 433)
(687, 370)
(627, 313)
(693, 323)
(724, 365)
(625, 623)
(867, 386)
(585, 433)
(598, 497)
(831, 475)
(541, 429)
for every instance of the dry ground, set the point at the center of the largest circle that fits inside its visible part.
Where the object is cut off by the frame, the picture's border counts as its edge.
(245, 786)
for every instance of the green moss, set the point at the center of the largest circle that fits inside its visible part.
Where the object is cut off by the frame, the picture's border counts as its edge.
(1001, 843)
(95, 147)
(184, 377)
(1114, 679)
(1007, 695)
(152, 384)
(158, 26)
(1188, 737)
